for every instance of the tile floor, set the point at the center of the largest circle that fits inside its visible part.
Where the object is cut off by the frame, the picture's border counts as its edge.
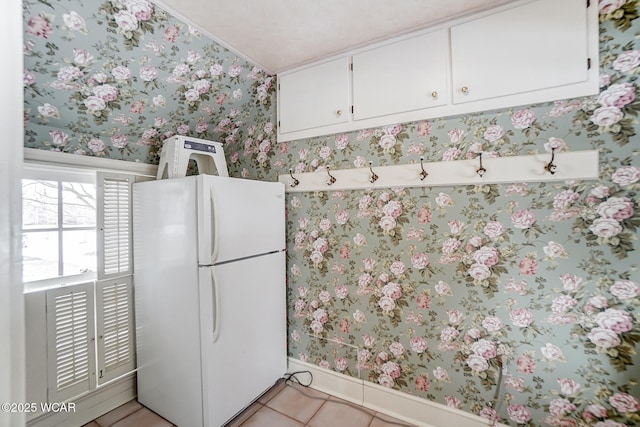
(289, 405)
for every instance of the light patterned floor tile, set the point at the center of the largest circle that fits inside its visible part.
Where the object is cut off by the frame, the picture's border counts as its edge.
(119, 413)
(267, 417)
(245, 415)
(277, 388)
(143, 418)
(339, 413)
(298, 402)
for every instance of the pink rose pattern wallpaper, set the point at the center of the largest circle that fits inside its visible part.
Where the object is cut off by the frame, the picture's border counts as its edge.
(513, 302)
(114, 78)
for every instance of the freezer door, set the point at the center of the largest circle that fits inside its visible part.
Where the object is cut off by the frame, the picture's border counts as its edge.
(238, 218)
(243, 324)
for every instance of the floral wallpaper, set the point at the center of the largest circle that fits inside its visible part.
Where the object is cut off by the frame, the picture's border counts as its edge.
(514, 302)
(114, 78)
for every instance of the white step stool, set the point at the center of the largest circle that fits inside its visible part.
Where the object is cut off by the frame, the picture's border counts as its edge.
(178, 150)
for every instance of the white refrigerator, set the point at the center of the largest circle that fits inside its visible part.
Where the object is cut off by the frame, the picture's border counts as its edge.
(210, 295)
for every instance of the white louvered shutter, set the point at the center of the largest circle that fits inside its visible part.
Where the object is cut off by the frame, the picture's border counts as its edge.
(114, 225)
(70, 335)
(114, 289)
(114, 314)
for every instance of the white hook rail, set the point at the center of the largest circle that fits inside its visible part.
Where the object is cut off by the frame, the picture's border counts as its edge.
(530, 168)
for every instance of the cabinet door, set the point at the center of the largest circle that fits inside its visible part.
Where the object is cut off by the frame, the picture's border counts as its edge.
(539, 45)
(404, 76)
(315, 96)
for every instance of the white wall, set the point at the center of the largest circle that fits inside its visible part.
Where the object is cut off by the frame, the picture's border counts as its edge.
(12, 355)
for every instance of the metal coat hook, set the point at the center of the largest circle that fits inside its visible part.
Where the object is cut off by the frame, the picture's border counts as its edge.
(551, 167)
(373, 178)
(295, 181)
(423, 173)
(481, 170)
(332, 179)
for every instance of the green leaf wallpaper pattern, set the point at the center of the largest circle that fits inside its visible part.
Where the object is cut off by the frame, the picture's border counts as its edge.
(115, 78)
(430, 291)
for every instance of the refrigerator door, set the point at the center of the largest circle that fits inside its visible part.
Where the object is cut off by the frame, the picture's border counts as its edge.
(238, 218)
(167, 300)
(243, 324)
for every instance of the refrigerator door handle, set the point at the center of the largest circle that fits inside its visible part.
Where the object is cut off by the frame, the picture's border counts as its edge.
(214, 225)
(216, 306)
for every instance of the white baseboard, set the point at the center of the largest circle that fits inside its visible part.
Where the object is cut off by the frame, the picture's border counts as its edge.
(405, 407)
(92, 405)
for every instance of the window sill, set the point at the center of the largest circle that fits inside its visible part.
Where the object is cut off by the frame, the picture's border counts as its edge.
(58, 282)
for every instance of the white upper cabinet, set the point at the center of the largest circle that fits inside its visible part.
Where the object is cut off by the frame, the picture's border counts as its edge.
(404, 76)
(535, 46)
(315, 96)
(523, 53)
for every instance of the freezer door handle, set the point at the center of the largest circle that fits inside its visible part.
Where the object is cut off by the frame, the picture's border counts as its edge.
(216, 306)
(207, 224)
(214, 225)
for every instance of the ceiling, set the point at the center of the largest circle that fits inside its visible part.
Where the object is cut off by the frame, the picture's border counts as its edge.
(282, 34)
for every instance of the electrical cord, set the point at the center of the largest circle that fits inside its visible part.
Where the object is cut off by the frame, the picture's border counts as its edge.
(498, 395)
(292, 377)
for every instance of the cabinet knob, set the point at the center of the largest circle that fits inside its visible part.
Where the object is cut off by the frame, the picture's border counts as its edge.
(338, 113)
(464, 89)
(434, 94)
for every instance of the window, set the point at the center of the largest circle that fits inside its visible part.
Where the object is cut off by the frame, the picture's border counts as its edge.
(76, 366)
(58, 225)
(77, 253)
